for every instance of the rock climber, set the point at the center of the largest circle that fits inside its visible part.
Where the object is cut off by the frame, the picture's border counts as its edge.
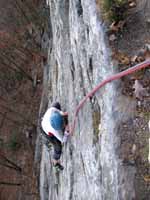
(56, 131)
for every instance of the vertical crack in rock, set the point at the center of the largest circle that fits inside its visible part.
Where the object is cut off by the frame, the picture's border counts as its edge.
(72, 68)
(82, 87)
(79, 8)
(91, 64)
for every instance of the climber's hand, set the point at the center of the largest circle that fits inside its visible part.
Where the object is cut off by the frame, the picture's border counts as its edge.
(66, 136)
(67, 129)
(64, 114)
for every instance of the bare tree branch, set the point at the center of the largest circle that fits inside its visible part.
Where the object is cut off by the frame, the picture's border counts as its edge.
(10, 164)
(10, 184)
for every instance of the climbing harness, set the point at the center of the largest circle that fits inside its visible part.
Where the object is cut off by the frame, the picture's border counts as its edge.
(109, 79)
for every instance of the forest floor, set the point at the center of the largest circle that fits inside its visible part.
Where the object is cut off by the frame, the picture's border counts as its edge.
(130, 45)
(20, 98)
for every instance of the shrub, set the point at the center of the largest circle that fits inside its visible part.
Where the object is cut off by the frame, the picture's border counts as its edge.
(115, 9)
(14, 142)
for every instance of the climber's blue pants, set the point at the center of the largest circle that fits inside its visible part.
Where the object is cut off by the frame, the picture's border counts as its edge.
(48, 140)
(57, 147)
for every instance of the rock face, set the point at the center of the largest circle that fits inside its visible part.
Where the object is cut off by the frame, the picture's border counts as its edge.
(79, 59)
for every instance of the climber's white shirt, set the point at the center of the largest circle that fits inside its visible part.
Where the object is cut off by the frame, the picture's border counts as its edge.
(47, 126)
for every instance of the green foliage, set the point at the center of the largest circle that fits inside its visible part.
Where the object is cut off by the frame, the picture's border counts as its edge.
(115, 9)
(14, 142)
(1, 143)
(19, 76)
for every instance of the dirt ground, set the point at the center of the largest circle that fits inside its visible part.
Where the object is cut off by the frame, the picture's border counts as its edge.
(130, 46)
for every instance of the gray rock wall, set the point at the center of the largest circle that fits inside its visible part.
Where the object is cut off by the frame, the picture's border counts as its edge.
(78, 60)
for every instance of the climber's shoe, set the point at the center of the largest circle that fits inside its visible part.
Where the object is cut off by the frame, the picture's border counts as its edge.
(58, 167)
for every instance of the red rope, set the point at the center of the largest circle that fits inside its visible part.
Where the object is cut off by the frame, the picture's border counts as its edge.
(109, 79)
